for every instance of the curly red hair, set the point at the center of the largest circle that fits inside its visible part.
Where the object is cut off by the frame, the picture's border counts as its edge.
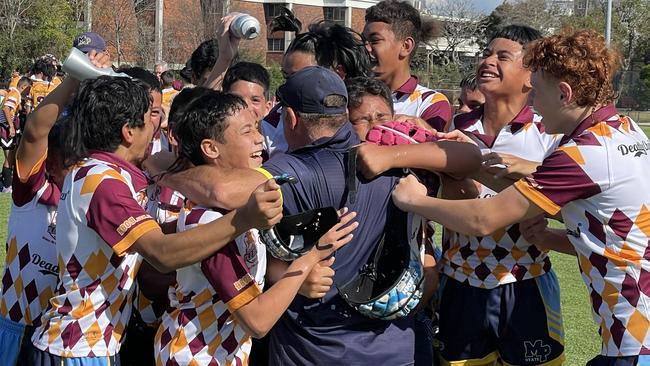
(580, 58)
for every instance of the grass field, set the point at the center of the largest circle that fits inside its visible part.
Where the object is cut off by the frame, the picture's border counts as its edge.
(582, 341)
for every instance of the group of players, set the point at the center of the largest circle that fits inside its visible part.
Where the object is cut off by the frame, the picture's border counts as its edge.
(134, 232)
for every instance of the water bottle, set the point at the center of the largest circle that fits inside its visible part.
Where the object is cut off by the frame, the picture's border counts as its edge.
(245, 26)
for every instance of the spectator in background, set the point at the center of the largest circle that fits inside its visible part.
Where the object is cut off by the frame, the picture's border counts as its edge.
(159, 69)
(470, 97)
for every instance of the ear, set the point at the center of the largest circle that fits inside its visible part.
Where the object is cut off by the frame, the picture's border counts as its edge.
(209, 148)
(566, 93)
(290, 118)
(407, 48)
(527, 84)
(127, 134)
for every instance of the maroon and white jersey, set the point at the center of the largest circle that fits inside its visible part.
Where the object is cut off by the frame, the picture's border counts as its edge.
(598, 180)
(503, 256)
(199, 328)
(100, 217)
(31, 267)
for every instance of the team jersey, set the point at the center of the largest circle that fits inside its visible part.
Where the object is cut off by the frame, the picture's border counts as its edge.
(31, 269)
(597, 179)
(56, 81)
(168, 95)
(200, 328)
(13, 83)
(38, 91)
(11, 101)
(413, 99)
(504, 256)
(99, 219)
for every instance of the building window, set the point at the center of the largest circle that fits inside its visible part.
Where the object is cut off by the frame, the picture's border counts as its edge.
(272, 10)
(275, 44)
(334, 15)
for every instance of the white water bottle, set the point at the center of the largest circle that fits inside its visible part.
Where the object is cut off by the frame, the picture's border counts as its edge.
(245, 26)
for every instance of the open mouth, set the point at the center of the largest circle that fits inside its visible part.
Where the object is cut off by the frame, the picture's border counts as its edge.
(488, 75)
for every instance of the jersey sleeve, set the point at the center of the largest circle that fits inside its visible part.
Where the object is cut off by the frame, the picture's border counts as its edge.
(228, 274)
(565, 176)
(26, 186)
(114, 214)
(437, 111)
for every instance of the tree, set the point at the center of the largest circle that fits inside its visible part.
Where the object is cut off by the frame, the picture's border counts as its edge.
(533, 13)
(14, 17)
(462, 26)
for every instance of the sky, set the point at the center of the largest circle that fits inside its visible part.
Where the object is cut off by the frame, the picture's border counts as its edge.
(484, 6)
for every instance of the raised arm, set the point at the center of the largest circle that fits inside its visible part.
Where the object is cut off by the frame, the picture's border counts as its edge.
(456, 158)
(228, 46)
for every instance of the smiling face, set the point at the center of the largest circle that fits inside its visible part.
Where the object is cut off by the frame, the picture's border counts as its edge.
(385, 48)
(501, 71)
(242, 147)
(253, 95)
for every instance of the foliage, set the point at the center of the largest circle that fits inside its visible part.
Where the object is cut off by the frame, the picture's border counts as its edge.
(36, 28)
(277, 78)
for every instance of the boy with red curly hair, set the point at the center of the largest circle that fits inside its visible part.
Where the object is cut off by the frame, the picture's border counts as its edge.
(592, 179)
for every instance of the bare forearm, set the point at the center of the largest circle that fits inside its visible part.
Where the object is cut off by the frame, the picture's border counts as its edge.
(263, 312)
(456, 158)
(170, 252)
(213, 187)
(488, 180)
(556, 239)
(9, 115)
(215, 78)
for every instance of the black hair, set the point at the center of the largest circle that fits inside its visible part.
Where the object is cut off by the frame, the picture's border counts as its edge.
(143, 75)
(205, 118)
(404, 19)
(167, 78)
(361, 86)
(247, 71)
(334, 45)
(180, 103)
(521, 34)
(24, 81)
(98, 112)
(44, 66)
(469, 81)
(204, 57)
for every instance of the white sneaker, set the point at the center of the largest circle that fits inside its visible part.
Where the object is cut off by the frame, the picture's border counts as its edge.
(7, 189)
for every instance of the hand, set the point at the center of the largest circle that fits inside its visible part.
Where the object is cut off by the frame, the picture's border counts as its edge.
(12, 131)
(319, 280)
(414, 120)
(515, 167)
(158, 163)
(455, 135)
(533, 230)
(373, 160)
(336, 237)
(228, 44)
(101, 59)
(264, 207)
(407, 191)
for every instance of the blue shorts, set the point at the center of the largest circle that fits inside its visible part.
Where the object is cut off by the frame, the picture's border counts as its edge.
(620, 361)
(37, 357)
(15, 340)
(518, 323)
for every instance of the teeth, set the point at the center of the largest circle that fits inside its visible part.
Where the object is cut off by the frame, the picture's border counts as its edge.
(488, 74)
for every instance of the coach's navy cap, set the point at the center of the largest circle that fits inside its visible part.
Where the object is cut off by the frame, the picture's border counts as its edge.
(307, 91)
(89, 41)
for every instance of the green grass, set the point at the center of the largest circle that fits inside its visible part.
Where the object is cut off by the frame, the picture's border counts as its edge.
(582, 340)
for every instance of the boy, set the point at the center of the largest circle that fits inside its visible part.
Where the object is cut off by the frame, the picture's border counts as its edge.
(110, 131)
(593, 179)
(393, 31)
(470, 97)
(251, 82)
(220, 130)
(42, 73)
(10, 124)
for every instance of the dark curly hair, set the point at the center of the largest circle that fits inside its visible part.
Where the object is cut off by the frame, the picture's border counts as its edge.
(205, 118)
(204, 57)
(247, 71)
(180, 103)
(99, 110)
(44, 66)
(582, 59)
(146, 76)
(334, 45)
(359, 87)
(404, 19)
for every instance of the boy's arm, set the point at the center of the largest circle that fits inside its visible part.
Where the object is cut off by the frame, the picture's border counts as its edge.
(228, 46)
(456, 158)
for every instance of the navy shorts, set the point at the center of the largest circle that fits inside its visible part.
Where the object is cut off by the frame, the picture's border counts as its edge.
(42, 358)
(518, 324)
(620, 361)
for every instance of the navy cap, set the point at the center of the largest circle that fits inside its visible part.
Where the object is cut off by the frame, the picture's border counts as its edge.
(89, 41)
(306, 91)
